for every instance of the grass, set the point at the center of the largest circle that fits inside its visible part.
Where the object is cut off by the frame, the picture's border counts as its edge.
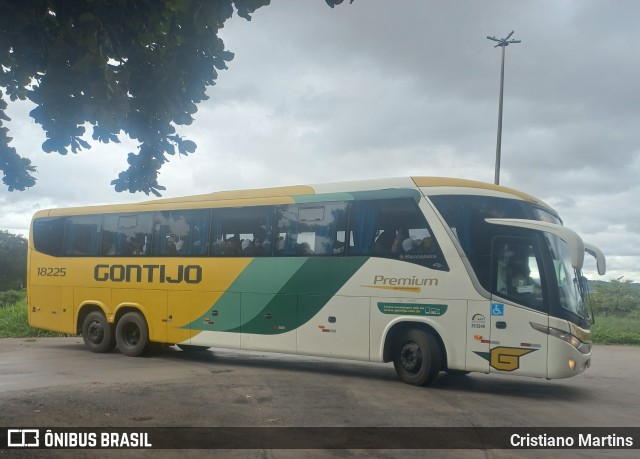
(617, 329)
(14, 322)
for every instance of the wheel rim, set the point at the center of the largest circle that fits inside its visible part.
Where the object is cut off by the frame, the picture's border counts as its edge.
(95, 332)
(411, 357)
(131, 334)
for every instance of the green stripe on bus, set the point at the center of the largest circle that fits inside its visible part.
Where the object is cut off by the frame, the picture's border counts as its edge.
(263, 278)
(279, 294)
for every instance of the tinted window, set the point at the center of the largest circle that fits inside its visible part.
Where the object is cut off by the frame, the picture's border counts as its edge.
(466, 216)
(48, 235)
(517, 272)
(545, 216)
(311, 229)
(246, 231)
(127, 235)
(82, 235)
(393, 228)
(181, 233)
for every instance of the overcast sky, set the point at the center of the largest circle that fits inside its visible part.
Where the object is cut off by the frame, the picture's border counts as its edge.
(383, 88)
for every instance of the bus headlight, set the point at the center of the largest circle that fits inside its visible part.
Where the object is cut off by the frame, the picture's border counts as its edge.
(584, 348)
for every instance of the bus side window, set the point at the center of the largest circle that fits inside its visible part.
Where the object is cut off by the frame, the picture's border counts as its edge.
(516, 271)
(48, 235)
(82, 235)
(127, 235)
(317, 229)
(394, 228)
(181, 233)
(242, 232)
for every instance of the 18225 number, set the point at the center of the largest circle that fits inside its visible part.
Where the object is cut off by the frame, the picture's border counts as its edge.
(51, 272)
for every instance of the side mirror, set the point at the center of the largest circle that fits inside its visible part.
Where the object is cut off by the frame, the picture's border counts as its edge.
(595, 252)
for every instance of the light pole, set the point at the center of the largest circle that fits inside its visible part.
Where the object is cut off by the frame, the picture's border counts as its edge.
(503, 43)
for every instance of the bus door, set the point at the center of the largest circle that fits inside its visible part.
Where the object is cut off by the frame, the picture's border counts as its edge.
(518, 300)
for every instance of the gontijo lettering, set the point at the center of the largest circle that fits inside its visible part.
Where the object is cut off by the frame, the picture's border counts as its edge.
(190, 274)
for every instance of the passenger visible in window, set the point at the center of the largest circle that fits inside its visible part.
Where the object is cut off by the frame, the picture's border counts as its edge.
(427, 245)
(384, 242)
(408, 246)
(137, 248)
(248, 247)
(401, 236)
(520, 281)
(304, 249)
(108, 246)
(179, 245)
(171, 249)
(259, 249)
(232, 247)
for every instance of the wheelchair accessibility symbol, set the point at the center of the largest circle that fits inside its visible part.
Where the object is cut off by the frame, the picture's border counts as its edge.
(497, 309)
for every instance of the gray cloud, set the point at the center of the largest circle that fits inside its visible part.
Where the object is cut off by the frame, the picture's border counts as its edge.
(385, 88)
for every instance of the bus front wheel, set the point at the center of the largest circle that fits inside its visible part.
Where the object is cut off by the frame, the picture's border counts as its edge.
(416, 357)
(97, 333)
(132, 334)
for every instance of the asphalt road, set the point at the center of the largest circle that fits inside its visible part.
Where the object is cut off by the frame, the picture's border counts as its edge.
(56, 382)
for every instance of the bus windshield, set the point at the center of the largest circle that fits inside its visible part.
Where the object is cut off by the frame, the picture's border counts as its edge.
(567, 278)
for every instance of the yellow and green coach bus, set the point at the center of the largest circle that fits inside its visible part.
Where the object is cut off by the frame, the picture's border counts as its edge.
(433, 274)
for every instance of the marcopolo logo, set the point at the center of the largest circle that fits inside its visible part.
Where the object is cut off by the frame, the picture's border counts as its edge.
(190, 274)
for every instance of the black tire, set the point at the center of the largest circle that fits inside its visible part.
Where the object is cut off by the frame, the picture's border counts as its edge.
(191, 348)
(97, 333)
(417, 357)
(132, 334)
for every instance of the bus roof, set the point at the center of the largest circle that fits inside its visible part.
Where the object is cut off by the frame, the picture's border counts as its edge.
(292, 194)
(448, 183)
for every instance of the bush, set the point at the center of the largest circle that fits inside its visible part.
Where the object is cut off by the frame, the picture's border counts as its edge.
(14, 322)
(11, 297)
(612, 329)
(615, 298)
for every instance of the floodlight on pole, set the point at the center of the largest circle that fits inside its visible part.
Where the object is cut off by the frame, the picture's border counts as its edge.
(502, 43)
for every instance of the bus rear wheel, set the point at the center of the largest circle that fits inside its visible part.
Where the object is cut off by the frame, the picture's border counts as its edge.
(97, 333)
(417, 357)
(132, 334)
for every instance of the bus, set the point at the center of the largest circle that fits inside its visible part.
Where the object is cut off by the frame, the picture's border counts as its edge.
(432, 274)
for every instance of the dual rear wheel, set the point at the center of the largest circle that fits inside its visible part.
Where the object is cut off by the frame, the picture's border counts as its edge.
(131, 334)
(97, 333)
